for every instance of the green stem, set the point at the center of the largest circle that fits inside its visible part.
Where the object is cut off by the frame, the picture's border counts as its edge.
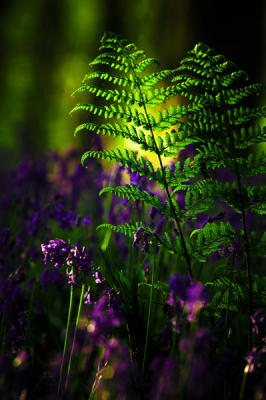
(237, 174)
(200, 271)
(248, 264)
(142, 220)
(186, 255)
(77, 323)
(149, 312)
(161, 250)
(67, 333)
(243, 383)
(130, 256)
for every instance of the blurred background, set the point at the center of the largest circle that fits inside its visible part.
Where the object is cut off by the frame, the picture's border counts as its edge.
(46, 46)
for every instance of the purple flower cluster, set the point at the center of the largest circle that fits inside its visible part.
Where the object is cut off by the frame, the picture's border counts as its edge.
(141, 237)
(257, 353)
(59, 253)
(56, 252)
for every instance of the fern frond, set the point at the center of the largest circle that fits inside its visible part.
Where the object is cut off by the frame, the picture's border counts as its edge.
(116, 95)
(212, 118)
(134, 193)
(118, 80)
(127, 229)
(251, 166)
(117, 62)
(234, 96)
(131, 229)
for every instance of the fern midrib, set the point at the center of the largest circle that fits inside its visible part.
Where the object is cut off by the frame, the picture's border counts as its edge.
(241, 205)
(161, 165)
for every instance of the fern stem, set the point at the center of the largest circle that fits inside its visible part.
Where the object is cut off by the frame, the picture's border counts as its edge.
(131, 254)
(142, 221)
(169, 197)
(248, 266)
(163, 172)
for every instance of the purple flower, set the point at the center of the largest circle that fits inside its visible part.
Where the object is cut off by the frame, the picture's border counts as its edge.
(86, 221)
(89, 297)
(56, 252)
(80, 264)
(72, 278)
(80, 260)
(217, 217)
(197, 297)
(145, 247)
(99, 277)
(141, 237)
(254, 359)
(259, 322)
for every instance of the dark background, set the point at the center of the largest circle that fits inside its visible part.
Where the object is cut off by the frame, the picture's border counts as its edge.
(45, 46)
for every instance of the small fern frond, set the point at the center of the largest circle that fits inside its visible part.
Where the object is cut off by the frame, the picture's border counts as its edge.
(127, 229)
(118, 80)
(116, 95)
(209, 238)
(131, 229)
(133, 192)
(234, 96)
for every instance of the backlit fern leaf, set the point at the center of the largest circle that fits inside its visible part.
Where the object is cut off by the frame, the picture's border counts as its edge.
(134, 193)
(131, 229)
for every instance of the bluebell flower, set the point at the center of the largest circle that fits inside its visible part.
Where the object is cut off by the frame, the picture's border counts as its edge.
(141, 237)
(217, 217)
(56, 251)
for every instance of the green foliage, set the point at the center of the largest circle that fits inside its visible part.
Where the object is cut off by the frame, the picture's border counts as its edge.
(214, 118)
